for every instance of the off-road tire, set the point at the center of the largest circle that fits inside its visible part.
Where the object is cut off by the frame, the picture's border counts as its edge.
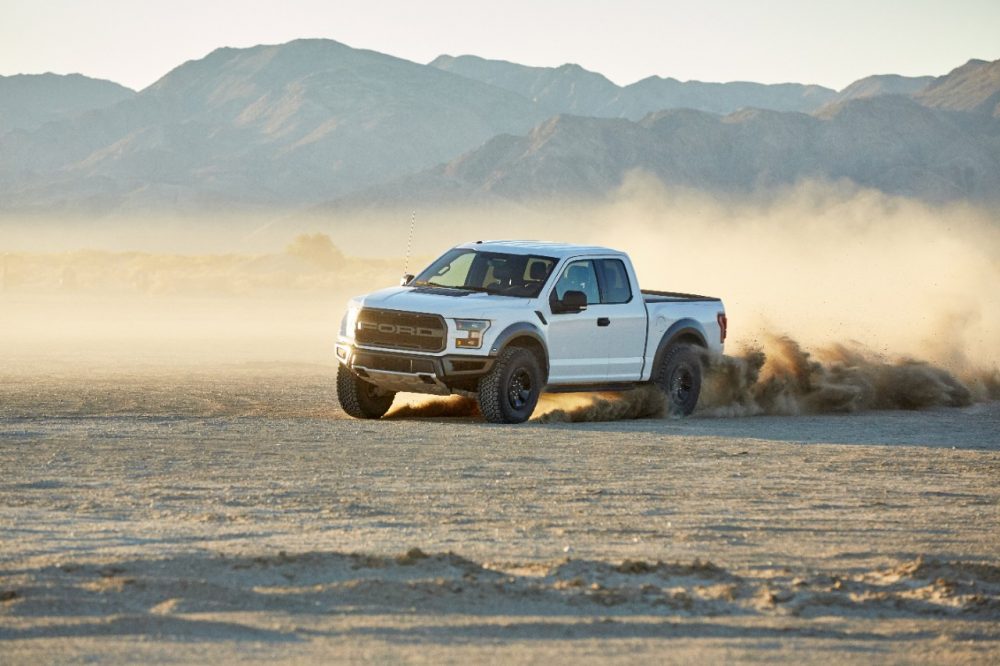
(679, 377)
(509, 392)
(359, 398)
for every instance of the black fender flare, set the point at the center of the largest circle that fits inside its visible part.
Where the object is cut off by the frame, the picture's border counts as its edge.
(679, 329)
(521, 329)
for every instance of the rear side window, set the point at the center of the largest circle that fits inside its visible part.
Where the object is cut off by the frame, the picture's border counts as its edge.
(615, 287)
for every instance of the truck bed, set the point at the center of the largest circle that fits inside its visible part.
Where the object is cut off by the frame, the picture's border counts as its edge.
(651, 296)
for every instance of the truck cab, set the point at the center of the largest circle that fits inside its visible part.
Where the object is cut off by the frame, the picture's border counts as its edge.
(506, 320)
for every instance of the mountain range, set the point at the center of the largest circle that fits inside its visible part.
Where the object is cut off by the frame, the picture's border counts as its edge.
(314, 121)
(575, 90)
(889, 143)
(29, 101)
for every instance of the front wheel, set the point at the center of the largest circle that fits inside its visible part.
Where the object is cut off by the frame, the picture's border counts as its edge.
(359, 398)
(679, 377)
(509, 392)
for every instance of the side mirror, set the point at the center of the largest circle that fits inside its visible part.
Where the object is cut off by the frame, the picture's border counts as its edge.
(405, 280)
(572, 301)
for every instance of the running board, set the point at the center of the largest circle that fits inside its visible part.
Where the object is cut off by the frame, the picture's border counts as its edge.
(590, 388)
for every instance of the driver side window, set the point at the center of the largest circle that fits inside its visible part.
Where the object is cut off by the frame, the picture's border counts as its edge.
(579, 276)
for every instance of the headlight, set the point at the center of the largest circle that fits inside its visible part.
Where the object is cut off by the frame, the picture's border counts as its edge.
(473, 330)
(349, 323)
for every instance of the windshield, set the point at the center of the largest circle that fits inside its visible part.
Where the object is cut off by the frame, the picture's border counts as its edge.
(520, 275)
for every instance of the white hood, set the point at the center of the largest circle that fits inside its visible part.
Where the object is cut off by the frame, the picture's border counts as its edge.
(471, 305)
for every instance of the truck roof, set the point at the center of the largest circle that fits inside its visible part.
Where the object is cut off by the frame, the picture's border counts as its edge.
(546, 248)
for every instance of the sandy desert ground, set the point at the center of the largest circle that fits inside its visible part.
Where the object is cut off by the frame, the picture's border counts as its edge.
(233, 514)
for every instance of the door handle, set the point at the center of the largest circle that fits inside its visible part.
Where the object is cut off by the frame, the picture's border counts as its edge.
(603, 321)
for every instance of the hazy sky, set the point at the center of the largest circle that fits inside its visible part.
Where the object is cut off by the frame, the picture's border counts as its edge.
(830, 42)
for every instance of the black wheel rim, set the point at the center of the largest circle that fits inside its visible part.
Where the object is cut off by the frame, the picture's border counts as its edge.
(519, 388)
(681, 385)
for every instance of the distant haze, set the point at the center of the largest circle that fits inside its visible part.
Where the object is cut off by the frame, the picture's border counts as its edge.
(831, 44)
(826, 265)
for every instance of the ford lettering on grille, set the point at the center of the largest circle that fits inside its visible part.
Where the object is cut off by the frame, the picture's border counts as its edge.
(401, 330)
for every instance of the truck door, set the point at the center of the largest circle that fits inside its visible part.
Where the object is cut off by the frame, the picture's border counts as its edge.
(624, 321)
(577, 344)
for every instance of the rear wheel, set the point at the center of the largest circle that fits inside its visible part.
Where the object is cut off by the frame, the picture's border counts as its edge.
(679, 377)
(359, 398)
(509, 392)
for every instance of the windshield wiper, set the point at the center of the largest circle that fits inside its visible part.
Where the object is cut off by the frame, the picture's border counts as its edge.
(485, 290)
(428, 283)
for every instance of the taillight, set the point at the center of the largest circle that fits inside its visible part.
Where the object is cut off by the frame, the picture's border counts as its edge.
(723, 325)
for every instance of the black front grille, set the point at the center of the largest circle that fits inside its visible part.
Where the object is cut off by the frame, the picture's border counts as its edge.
(401, 330)
(393, 363)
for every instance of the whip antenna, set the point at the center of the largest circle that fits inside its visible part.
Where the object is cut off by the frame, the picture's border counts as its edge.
(409, 244)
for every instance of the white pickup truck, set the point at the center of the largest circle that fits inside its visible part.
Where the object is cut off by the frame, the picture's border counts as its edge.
(506, 320)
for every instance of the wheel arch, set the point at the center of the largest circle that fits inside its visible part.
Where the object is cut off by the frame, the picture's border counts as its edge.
(683, 331)
(527, 335)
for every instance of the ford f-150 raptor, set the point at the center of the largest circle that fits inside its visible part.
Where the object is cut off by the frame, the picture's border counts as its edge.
(506, 320)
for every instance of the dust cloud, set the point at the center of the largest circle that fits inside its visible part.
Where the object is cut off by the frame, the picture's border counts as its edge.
(406, 406)
(782, 378)
(639, 403)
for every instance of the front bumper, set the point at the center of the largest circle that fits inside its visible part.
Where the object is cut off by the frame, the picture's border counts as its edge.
(413, 373)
